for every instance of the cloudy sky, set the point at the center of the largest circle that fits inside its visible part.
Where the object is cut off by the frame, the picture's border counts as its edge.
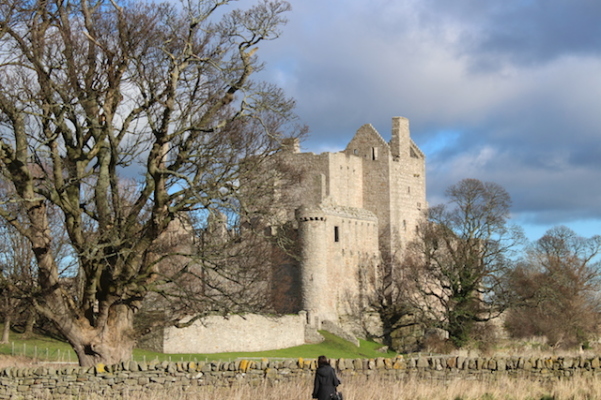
(507, 91)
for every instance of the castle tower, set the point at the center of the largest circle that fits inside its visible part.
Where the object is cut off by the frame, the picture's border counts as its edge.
(314, 255)
(351, 208)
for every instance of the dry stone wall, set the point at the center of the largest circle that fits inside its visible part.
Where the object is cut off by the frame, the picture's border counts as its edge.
(130, 377)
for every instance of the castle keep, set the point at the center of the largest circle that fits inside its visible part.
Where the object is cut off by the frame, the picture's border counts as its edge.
(352, 208)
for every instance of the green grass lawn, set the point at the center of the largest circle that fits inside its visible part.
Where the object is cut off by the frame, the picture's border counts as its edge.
(48, 349)
(38, 347)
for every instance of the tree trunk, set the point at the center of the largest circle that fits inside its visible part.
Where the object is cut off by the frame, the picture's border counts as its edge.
(108, 343)
(6, 330)
(31, 317)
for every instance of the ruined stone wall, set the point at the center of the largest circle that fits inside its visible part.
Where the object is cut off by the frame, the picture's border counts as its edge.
(394, 184)
(368, 146)
(339, 238)
(249, 332)
(371, 176)
(148, 377)
(332, 178)
(345, 180)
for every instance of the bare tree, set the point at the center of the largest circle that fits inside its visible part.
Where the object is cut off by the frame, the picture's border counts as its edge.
(123, 116)
(556, 289)
(391, 300)
(460, 257)
(16, 277)
(17, 268)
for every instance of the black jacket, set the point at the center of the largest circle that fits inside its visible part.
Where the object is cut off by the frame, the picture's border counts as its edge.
(325, 382)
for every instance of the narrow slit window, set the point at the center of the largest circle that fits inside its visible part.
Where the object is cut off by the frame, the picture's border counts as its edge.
(374, 153)
(336, 234)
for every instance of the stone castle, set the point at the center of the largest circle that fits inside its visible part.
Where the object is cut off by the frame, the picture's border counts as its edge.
(350, 209)
(354, 207)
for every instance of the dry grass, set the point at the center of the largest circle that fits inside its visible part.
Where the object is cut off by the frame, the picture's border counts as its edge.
(506, 388)
(15, 361)
(374, 389)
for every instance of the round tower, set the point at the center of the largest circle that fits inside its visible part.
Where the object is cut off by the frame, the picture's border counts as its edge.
(313, 263)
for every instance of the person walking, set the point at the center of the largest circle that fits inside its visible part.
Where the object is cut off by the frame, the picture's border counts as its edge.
(326, 380)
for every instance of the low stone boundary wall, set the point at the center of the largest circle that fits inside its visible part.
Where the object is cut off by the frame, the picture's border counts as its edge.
(251, 332)
(129, 377)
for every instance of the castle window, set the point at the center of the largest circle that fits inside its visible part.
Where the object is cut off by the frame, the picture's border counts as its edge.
(336, 234)
(356, 152)
(408, 189)
(374, 153)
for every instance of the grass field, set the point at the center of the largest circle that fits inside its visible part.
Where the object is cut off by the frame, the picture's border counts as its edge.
(29, 351)
(51, 350)
(374, 389)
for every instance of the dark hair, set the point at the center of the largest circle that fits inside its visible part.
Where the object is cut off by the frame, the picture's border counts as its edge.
(322, 360)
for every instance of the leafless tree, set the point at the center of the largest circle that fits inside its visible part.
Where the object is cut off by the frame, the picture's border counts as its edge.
(16, 279)
(556, 289)
(391, 300)
(458, 262)
(17, 268)
(123, 116)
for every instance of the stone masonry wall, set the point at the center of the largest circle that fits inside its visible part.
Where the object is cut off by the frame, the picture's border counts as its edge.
(372, 176)
(129, 377)
(266, 333)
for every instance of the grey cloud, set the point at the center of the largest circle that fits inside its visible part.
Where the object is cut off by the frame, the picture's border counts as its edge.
(545, 30)
(522, 32)
(528, 121)
(541, 190)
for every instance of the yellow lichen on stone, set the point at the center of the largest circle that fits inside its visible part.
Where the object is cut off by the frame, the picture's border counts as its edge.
(399, 363)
